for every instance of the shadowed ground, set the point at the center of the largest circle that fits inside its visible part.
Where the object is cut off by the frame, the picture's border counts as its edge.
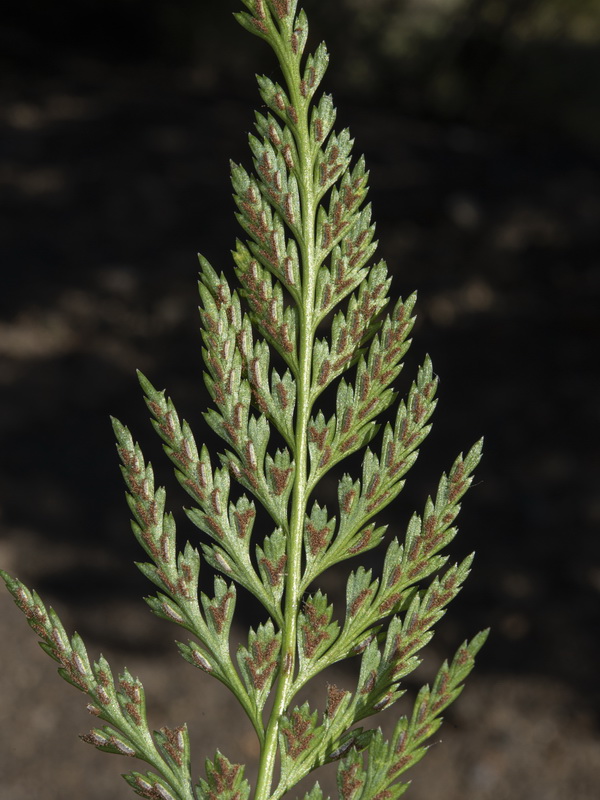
(114, 172)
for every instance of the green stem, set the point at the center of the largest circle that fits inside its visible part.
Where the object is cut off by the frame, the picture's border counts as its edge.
(285, 685)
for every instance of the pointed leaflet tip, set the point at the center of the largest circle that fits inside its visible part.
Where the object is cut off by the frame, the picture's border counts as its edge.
(121, 432)
(147, 387)
(473, 457)
(477, 642)
(12, 584)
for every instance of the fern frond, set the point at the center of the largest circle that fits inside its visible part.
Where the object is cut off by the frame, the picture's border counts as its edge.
(309, 321)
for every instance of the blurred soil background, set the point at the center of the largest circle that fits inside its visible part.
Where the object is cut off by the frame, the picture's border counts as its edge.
(480, 122)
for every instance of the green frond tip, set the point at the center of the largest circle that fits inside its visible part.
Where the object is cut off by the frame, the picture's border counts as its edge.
(10, 582)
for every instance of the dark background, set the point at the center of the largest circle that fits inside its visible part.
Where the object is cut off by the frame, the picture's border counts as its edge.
(480, 123)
